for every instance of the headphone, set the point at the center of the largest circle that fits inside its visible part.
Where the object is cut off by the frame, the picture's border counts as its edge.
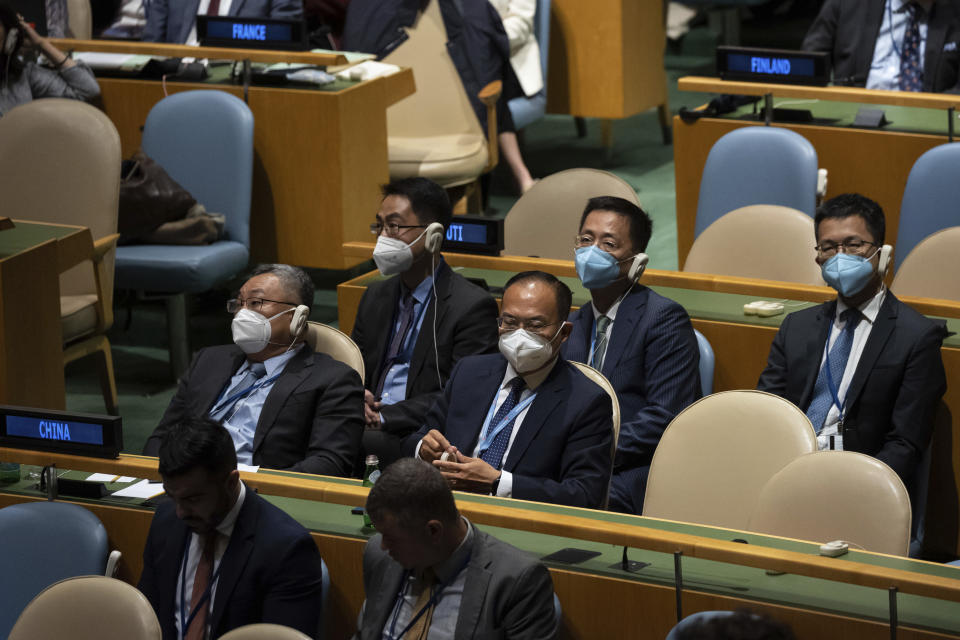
(298, 323)
(638, 266)
(433, 237)
(886, 252)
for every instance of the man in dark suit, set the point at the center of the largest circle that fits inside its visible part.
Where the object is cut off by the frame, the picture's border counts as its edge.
(876, 387)
(642, 342)
(285, 406)
(175, 20)
(484, 588)
(218, 556)
(524, 423)
(909, 45)
(414, 326)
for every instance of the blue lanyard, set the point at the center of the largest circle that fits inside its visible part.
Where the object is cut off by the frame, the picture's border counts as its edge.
(834, 389)
(507, 419)
(242, 393)
(434, 600)
(184, 619)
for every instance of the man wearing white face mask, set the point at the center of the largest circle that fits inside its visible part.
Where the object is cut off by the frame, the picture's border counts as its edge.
(642, 342)
(865, 368)
(285, 406)
(413, 327)
(524, 423)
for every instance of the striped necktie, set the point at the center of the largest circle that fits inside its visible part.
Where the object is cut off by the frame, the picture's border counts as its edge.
(600, 342)
(839, 354)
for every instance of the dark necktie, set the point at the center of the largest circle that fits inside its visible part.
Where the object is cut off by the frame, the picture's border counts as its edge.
(399, 338)
(494, 453)
(600, 342)
(214, 8)
(839, 354)
(911, 58)
(256, 371)
(201, 580)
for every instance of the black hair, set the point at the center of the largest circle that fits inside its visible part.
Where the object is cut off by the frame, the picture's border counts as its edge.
(562, 291)
(853, 204)
(428, 200)
(294, 279)
(741, 625)
(641, 226)
(197, 442)
(10, 64)
(413, 492)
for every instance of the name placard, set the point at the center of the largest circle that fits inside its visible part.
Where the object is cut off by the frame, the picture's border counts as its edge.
(773, 65)
(246, 33)
(474, 234)
(61, 431)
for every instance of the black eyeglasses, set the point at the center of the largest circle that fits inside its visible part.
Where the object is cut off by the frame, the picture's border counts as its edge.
(854, 246)
(254, 304)
(393, 228)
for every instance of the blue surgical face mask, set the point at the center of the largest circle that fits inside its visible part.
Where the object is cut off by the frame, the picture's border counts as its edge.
(597, 268)
(847, 273)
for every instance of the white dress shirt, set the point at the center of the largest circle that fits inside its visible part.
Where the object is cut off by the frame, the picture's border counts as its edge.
(885, 65)
(225, 530)
(870, 310)
(224, 10)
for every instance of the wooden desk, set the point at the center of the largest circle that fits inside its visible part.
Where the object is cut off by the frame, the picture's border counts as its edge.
(820, 597)
(32, 257)
(874, 162)
(741, 345)
(320, 154)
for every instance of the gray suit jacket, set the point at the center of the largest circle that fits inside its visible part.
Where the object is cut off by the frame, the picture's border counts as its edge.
(508, 594)
(171, 20)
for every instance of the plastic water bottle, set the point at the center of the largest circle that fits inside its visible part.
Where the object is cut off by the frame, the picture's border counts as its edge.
(369, 478)
(9, 472)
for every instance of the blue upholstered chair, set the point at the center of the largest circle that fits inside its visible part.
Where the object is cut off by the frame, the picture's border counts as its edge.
(204, 140)
(527, 110)
(706, 363)
(930, 198)
(757, 165)
(695, 619)
(43, 543)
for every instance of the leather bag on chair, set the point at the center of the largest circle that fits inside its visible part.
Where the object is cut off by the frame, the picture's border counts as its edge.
(148, 198)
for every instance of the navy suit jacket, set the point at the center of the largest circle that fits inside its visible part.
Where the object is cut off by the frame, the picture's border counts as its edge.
(652, 362)
(894, 392)
(270, 571)
(561, 453)
(172, 20)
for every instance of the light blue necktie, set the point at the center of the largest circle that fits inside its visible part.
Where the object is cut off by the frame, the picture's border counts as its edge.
(256, 371)
(494, 453)
(839, 354)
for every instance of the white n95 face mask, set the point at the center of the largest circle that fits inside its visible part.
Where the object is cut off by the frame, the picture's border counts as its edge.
(526, 351)
(252, 331)
(393, 256)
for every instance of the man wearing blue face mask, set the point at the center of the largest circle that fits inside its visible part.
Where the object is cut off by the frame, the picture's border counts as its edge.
(285, 406)
(642, 342)
(865, 368)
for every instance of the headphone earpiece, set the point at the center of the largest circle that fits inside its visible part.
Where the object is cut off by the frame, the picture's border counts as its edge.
(886, 252)
(433, 237)
(11, 41)
(638, 266)
(298, 323)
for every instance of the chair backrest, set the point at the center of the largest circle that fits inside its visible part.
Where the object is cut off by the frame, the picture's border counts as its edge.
(336, 344)
(79, 19)
(604, 384)
(836, 495)
(759, 241)
(706, 363)
(440, 105)
(693, 620)
(204, 140)
(75, 146)
(757, 165)
(44, 542)
(930, 269)
(717, 454)
(264, 632)
(88, 608)
(929, 199)
(544, 221)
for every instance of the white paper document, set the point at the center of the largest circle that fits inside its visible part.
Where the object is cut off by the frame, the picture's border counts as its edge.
(247, 467)
(142, 489)
(101, 477)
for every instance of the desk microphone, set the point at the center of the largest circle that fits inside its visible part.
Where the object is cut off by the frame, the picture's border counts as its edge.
(850, 81)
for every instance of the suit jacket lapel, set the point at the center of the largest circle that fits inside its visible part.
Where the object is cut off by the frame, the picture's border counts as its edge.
(296, 371)
(630, 310)
(936, 35)
(424, 344)
(381, 603)
(550, 395)
(236, 555)
(167, 581)
(868, 35)
(382, 328)
(578, 345)
(879, 335)
(485, 388)
(816, 341)
(474, 589)
(235, 7)
(217, 380)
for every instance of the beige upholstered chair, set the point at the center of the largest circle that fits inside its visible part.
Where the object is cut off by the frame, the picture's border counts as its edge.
(717, 454)
(336, 344)
(79, 19)
(837, 495)
(604, 384)
(88, 608)
(544, 221)
(930, 270)
(760, 241)
(434, 133)
(60, 163)
(264, 632)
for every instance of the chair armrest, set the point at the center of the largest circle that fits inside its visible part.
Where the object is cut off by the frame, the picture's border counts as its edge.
(102, 246)
(489, 96)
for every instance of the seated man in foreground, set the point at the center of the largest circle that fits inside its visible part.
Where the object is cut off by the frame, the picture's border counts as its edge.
(482, 587)
(285, 406)
(524, 423)
(218, 556)
(865, 368)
